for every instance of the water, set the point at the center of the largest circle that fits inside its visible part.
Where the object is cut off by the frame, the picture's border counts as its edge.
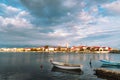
(37, 66)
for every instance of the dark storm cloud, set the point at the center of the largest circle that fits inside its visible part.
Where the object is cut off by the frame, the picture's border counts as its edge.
(47, 8)
(58, 11)
(50, 11)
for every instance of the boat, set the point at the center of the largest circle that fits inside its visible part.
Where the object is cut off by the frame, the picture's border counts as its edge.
(110, 63)
(75, 72)
(66, 66)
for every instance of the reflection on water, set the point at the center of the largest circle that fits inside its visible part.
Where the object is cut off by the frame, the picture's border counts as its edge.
(37, 66)
(110, 66)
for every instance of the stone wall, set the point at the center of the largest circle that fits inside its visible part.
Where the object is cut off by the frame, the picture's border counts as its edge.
(108, 74)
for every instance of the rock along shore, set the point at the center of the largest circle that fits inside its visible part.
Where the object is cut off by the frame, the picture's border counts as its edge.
(107, 74)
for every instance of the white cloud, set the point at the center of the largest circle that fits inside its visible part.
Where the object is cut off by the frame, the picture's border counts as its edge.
(82, 4)
(94, 9)
(23, 14)
(59, 33)
(9, 11)
(18, 18)
(14, 22)
(12, 9)
(102, 20)
(85, 17)
(113, 7)
(69, 3)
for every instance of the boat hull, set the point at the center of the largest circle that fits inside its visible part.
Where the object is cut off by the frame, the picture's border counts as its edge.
(66, 66)
(110, 63)
(76, 71)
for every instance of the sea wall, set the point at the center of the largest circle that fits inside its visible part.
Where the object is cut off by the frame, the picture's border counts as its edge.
(107, 74)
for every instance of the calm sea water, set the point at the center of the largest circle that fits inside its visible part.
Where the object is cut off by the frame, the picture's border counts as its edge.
(37, 66)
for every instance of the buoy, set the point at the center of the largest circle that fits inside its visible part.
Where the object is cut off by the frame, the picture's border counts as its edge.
(41, 67)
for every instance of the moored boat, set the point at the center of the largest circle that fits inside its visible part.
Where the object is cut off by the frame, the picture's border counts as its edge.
(66, 65)
(110, 63)
(75, 72)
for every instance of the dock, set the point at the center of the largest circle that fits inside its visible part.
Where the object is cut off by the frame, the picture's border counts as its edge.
(107, 74)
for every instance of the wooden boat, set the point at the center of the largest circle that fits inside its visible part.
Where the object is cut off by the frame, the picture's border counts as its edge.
(75, 72)
(66, 65)
(110, 63)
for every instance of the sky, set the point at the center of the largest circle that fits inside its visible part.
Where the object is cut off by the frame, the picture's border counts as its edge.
(26, 23)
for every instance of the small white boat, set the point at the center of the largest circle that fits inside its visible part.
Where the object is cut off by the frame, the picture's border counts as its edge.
(75, 72)
(66, 65)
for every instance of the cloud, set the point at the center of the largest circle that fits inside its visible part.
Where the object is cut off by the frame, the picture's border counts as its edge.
(14, 16)
(46, 22)
(17, 29)
(43, 8)
(113, 7)
(53, 12)
(13, 26)
(85, 17)
(8, 11)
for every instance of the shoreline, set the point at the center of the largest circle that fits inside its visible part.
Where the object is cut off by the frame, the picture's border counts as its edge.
(107, 74)
(80, 52)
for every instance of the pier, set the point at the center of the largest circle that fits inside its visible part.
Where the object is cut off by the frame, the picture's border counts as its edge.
(107, 74)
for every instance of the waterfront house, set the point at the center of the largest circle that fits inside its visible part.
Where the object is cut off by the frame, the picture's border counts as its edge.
(27, 49)
(51, 49)
(78, 48)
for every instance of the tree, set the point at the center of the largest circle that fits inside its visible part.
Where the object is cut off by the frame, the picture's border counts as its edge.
(46, 46)
(59, 48)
